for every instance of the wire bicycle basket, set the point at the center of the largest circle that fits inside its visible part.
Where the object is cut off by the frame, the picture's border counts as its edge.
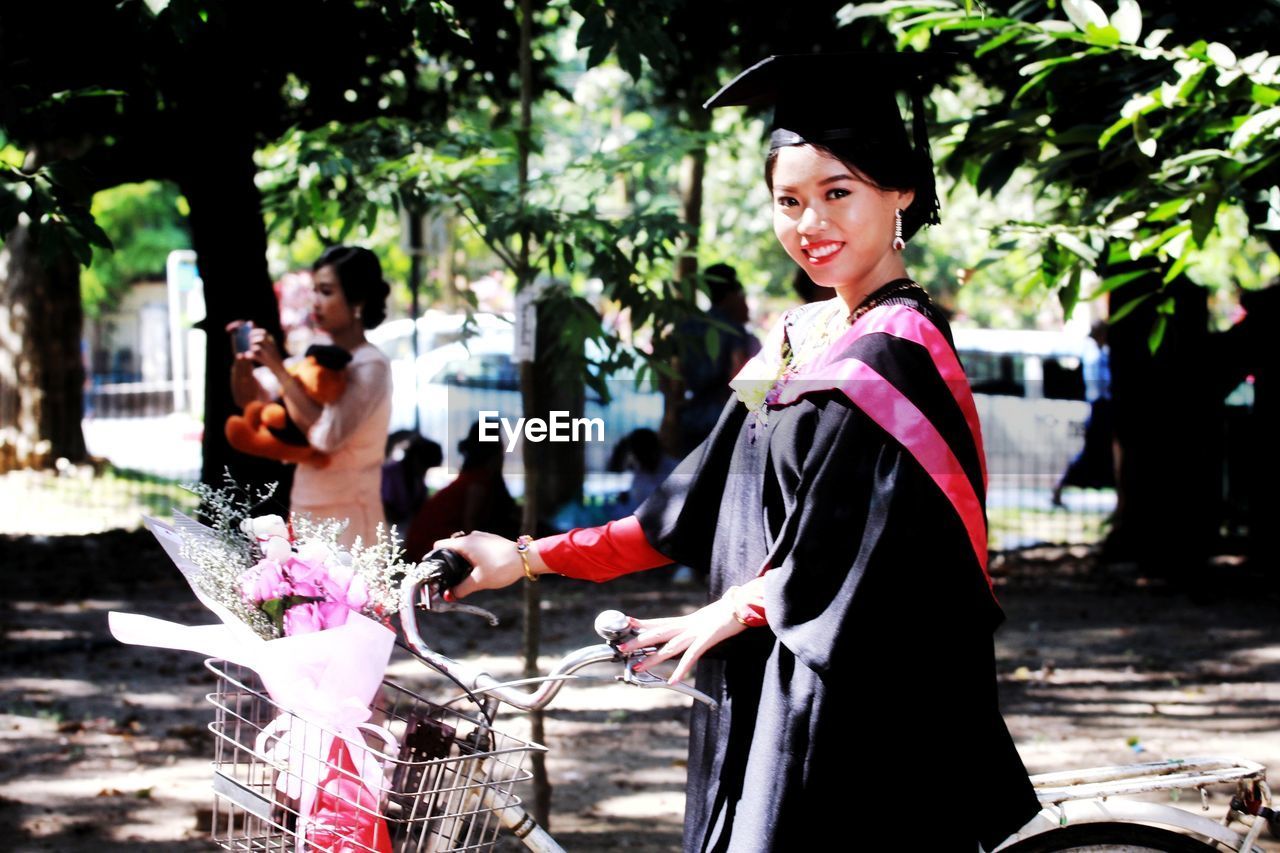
(416, 777)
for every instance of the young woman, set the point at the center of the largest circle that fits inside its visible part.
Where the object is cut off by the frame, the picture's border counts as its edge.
(837, 508)
(350, 297)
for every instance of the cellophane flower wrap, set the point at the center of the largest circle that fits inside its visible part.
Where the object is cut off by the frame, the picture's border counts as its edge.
(312, 620)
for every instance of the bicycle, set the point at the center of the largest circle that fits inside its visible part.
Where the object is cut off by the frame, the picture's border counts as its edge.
(443, 779)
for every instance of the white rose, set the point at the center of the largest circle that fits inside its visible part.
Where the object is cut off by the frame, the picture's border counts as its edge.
(277, 549)
(315, 552)
(264, 527)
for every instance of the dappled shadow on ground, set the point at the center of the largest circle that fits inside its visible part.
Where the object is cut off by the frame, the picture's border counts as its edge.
(103, 747)
(1100, 664)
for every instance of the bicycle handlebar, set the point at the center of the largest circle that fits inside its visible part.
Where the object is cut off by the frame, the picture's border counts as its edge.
(444, 569)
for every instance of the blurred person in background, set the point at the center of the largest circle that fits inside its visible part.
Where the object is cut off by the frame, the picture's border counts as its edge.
(350, 297)
(1094, 467)
(404, 476)
(706, 378)
(476, 500)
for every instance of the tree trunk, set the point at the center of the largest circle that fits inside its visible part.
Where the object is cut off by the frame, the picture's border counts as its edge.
(230, 240)
(693, 171)
(1168, 425)
(42, 373)
(540, 808)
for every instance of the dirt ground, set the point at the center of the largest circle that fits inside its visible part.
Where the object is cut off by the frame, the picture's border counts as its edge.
(103, 747)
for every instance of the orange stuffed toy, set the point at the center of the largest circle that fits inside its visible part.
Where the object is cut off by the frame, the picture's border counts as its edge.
(265, 429)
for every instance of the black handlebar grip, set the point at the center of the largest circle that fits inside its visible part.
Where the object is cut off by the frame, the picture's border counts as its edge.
(445, 568)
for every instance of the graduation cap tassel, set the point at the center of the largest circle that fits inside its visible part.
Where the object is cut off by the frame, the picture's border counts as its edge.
(920, 134)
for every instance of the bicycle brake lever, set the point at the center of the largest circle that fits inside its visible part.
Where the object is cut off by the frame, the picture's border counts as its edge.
(649, 680)
(433, 601)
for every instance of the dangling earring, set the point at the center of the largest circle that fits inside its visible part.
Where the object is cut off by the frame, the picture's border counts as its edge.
(898, 243)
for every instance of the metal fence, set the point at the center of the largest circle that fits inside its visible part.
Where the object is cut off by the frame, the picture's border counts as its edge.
(146, 450)
(141, 452)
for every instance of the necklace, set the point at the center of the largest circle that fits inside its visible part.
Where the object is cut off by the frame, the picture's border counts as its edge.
(831, 324)
(885, 293)
(834, 323)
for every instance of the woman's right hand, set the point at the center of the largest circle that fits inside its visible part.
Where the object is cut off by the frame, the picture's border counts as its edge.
(497, 562)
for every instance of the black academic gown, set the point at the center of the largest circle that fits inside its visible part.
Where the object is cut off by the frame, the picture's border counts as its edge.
(868, 705)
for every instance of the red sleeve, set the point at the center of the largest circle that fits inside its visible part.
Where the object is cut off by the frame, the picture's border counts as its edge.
(600, 553)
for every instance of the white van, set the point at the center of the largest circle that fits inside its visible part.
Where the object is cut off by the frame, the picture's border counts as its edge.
(1032, 390)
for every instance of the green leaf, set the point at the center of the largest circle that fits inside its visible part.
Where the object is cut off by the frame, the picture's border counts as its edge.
(1253, 127)
(1113, 282)
(1157, 333)
(1069, 295)
(1178, 266)
(1265, 96)
(1032, 68)
(1146, 142)
(1078, 247)
(274, 608)
(1107, 135)
(1032, 83)
(997, 170)
(1168, 210)
(996, 42)
(1204, 213)
(1129, 307)
(600, 49)
(1107, 36)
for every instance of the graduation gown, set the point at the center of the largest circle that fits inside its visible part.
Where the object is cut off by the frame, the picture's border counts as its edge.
(868, 705)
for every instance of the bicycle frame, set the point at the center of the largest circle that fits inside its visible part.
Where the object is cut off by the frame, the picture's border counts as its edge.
(1098, 795)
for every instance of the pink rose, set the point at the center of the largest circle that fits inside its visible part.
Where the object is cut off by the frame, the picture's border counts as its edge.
(302, 619)
(269, 582)
(357, 593)
(306, 571)
(306, 588)
(333, 613)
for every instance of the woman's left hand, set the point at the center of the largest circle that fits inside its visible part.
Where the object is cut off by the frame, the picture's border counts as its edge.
(693, 635)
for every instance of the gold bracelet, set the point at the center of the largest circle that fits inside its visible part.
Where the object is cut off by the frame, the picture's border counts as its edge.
(731, 594)
(522, 548)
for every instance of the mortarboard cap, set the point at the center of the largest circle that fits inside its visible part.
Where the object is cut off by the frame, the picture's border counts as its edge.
(848, 103)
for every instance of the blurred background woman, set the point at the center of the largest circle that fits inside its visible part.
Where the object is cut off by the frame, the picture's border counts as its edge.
(350, 297)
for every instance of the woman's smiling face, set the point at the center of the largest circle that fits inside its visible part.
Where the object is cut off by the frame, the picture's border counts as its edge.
(835, 224)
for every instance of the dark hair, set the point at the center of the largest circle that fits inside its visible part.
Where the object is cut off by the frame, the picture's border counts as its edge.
(887, 174)
(722, 281)
(477, 453)
(641, 445)
(360, 275)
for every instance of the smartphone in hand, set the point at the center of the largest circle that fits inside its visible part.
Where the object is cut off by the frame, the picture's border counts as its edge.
(240, 337)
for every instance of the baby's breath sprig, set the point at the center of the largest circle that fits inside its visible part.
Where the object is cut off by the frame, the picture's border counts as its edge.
(383, 568)
(226, 508)
(324, 530)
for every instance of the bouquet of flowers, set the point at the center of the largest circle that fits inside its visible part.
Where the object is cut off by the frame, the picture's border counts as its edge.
(313, 621)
